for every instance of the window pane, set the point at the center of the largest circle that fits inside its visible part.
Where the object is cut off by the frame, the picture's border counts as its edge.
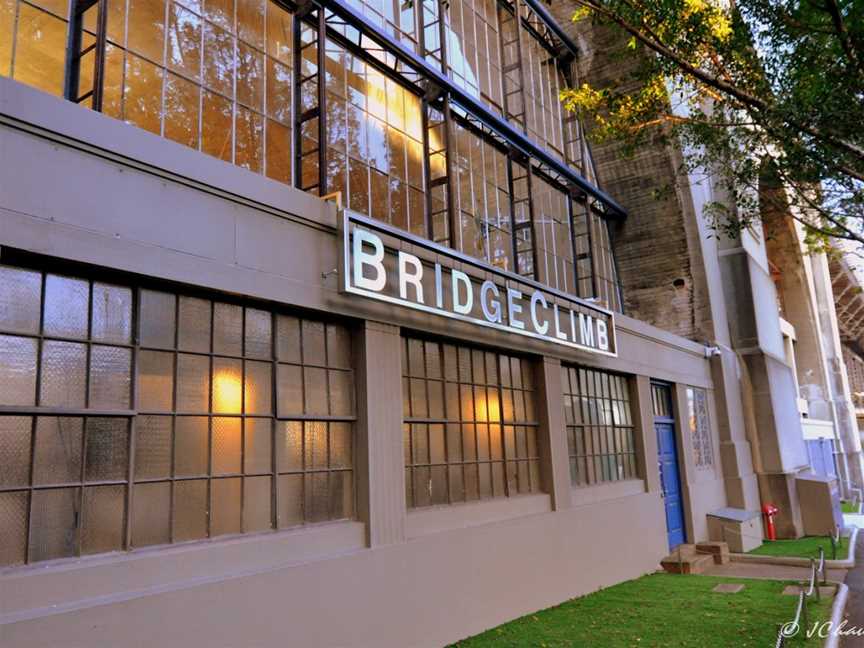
(63, 374)
(193, 383)
(155, 381)
(216, 127)
(66, 302)
(157, 319)
(227, 446)
(13, 527)
(190, 510)
(257, 442)
(227, 329)
(39, 49)
(151, 514)
(112, 314)
(181, 111)
(194, 325)
(142, 98)
(225, 506)
(20, 292)
(258, 334)
(103, 513)
(227, 386)
(152, 447)
(184, 41)
(53, 523)
(258, 397)
(191, 446)
(147, 28)
(107, 448)
(109, 377)
(257, 499)
(17, 370)
(15, 451)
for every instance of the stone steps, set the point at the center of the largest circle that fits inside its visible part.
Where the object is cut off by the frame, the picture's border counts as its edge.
(695, 558)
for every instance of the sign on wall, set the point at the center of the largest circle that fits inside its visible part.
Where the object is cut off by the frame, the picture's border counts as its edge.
(384, 263)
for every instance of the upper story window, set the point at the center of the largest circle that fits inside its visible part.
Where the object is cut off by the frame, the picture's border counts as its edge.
(221, 77)
(132, 417)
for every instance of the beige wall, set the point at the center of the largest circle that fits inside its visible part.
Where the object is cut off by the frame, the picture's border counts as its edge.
(83, 187)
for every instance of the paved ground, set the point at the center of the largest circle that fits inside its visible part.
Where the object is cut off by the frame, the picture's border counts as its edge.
(772, 572)
(855, 580)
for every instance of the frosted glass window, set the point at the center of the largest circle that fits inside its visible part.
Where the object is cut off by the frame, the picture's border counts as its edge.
(235, 408)
(470, 424)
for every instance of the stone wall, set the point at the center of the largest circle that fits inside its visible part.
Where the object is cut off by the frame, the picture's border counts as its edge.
(657, 248)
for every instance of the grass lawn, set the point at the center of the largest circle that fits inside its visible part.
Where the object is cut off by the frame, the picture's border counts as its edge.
(849, 507)
(660, 611)
(806, 547)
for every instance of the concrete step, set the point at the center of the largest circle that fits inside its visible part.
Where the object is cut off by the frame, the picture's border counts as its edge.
(719, 551)
(686, 559)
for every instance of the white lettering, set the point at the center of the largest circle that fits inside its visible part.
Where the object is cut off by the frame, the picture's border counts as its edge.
(372, 260)
(537, 298)
(558, 332)
(492, 311)
(513, 309)
(464, 308)
(602, 335)
(439, 287)
(406, 277)
(586, 328)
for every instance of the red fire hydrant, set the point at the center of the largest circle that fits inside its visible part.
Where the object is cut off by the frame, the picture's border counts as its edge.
(769, 511)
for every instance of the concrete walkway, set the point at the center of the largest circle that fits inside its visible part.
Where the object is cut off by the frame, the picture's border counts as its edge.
(770, 572)
(854, 613)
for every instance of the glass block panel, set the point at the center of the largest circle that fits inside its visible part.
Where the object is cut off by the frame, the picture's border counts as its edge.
(289, 390)
(155, 381)
(288, 338)
(104, 510)
(17, 370)
(112, 314)
(227, 445)
(227, 329)
(15, 436)
(54, 516)
(13, 528)
(314, 348)
(193, 383)
(191, 446)
(20, 297)
(190, 510)
(110, 377)
(341, 393)
(66, 306)
(194, 327)
(57, 458)
(257, 504)
(258, 397)
(259, 334)
(227, 386)
(107, 449)
(289, 446)
(157, 319)
(64, 380)
(151, 514)
(225, 506)
(257, 441)
(152, 447)
(290, 500)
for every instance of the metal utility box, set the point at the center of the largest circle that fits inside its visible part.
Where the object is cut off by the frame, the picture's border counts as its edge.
(819, 497)
(740, 529)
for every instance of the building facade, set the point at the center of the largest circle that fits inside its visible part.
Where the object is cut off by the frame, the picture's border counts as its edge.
(318, 311)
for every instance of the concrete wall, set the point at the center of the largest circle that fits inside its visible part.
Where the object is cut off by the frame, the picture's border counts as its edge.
(85, 188)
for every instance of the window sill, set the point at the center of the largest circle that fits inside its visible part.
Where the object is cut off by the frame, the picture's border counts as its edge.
(42, 589)
(583, 495)
(447, 517)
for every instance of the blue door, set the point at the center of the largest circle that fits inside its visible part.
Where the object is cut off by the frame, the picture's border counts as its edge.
(667, 461)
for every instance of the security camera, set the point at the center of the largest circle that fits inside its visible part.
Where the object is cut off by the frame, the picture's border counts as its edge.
(712, 351)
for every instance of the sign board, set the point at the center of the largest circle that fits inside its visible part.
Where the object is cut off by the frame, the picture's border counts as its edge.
(387, 264)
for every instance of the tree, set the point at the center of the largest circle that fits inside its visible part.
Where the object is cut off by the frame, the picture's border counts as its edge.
(759, 92)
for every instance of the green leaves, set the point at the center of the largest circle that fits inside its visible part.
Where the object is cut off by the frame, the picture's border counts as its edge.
(761, 88)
